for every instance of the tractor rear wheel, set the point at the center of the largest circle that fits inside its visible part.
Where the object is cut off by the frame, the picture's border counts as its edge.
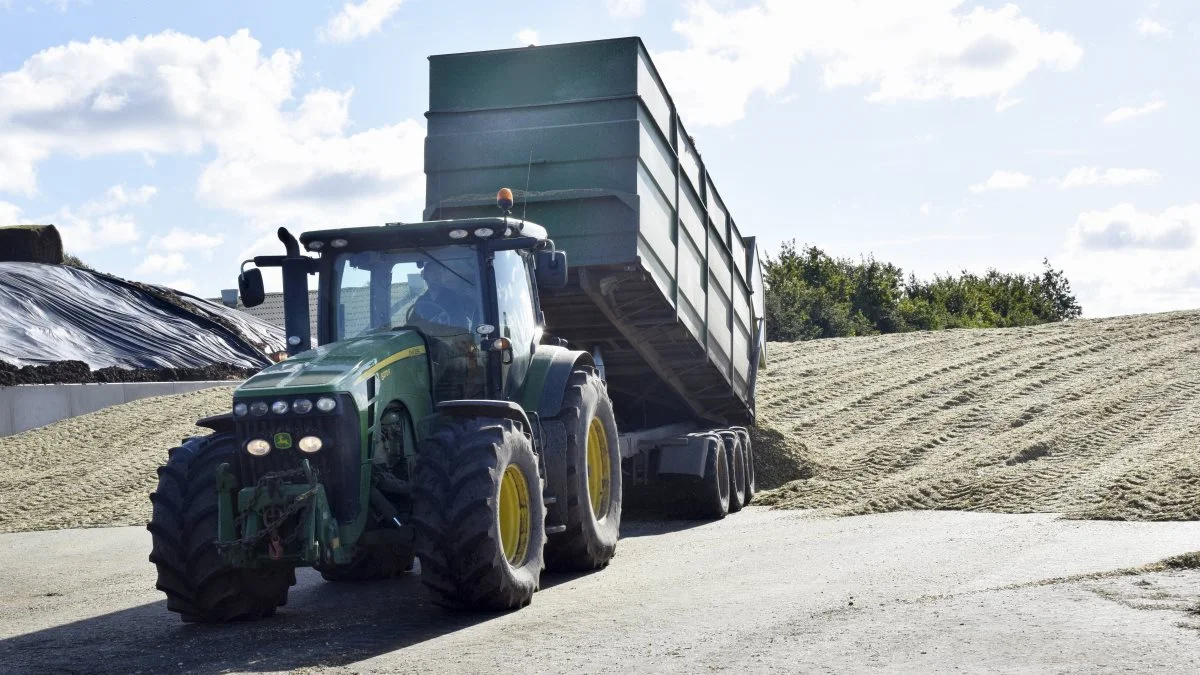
(737, 469)
(479, 516)
(593, 480)
(200, 585)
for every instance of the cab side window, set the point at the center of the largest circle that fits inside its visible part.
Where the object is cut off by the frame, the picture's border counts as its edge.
(518, 320)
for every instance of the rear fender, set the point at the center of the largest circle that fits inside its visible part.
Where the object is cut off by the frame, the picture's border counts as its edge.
(546, 380)
(686, 455)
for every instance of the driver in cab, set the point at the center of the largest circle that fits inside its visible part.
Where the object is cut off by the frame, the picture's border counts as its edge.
(448, 299)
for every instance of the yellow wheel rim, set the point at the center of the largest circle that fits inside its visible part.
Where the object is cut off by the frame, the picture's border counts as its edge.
(514, 515)
(599, 468)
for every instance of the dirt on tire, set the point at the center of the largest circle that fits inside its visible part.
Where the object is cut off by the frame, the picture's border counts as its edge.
(1092, 418)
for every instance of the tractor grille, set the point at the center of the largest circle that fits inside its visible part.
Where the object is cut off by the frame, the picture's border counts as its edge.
(336, 463)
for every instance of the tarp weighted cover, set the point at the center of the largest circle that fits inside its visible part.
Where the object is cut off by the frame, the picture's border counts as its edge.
(53, 313)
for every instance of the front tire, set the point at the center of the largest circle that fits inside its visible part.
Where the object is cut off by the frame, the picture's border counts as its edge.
(479, 515)
(592, 490)
(200, 585)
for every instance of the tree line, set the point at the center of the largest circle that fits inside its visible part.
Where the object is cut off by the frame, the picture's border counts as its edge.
(811, 294)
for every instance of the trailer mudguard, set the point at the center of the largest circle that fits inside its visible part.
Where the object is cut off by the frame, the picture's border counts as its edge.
(685, 455)
(546, 379)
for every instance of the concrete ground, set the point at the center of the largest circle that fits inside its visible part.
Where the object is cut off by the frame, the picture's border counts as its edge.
(760, 591)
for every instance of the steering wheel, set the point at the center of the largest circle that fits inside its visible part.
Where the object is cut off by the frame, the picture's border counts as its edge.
(429, 311)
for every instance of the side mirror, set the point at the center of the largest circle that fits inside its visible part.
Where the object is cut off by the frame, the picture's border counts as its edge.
(250, 286)
(551, 269)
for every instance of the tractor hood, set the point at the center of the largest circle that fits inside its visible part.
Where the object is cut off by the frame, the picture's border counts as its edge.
(339, 366)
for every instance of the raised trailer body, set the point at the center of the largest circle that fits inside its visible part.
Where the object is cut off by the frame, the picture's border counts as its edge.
(664, 288)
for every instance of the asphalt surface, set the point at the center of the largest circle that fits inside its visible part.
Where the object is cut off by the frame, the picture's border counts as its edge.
(759, 591)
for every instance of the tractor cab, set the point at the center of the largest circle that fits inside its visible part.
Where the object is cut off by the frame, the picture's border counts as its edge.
(468, 287)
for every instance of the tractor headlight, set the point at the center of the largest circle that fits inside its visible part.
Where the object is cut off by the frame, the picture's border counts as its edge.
(484, 232)
(240, 409)
(258, 408)
(326, 404)
(458, 234)
(258, 447)
(309, 444)
(301, 406)
(279, 407)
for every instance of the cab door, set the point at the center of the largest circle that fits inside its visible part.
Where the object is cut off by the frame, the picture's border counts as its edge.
(516, 316)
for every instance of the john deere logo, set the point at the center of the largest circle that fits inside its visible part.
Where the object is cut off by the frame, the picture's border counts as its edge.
(283, 440)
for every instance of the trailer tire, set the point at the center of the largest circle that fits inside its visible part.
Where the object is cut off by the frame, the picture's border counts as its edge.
(476, 480)
(200, 585)
(709, 499)
(748, 453)
(593, 489)
(737, 469)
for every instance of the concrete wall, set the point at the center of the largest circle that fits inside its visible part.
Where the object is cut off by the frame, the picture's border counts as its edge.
(29, 406)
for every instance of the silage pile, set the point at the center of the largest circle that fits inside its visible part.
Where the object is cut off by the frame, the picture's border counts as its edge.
(97, 469)
(1093, 419)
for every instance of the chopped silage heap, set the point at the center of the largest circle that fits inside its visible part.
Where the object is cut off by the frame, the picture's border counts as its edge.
(97, 469)
(1093, 419)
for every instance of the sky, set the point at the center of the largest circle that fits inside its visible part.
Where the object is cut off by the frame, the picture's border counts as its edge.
(167, 141)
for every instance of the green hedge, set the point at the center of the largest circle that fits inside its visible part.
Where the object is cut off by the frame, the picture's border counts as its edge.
(813, 295)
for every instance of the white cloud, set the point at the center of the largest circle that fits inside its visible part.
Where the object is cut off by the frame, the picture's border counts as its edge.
(10, 214)
(83, 233)
(1131, 112)
(1003, 180)
(279, 156)
(102, 222)
(1150, 27)
(183, 240)
(358, 20)
(1123, 227)
(1086, 176)
(159, 264)
(626, 9)
(185, 285)
(925, 208)
(1004, 103)
(526, 37)
(918, 50)
(177, 93)
(1123, 260)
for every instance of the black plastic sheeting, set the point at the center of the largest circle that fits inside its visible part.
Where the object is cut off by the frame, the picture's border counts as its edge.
(55, 313)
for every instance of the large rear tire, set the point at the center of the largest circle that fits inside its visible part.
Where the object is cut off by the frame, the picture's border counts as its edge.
(592, 490)
(200, 585)
(479, 515)
(737, 469)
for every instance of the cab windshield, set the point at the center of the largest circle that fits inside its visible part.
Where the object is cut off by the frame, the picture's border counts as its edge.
(435, 290)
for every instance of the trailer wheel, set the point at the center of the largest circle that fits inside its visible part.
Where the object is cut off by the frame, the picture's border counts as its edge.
(593, 491)
(479, 517)
(748, 454)
(737, 469)
(199, 584)
(710, 499)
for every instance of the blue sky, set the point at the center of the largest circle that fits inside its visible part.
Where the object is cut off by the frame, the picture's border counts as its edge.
(168, 140)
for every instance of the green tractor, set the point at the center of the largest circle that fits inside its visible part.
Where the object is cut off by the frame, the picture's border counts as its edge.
(422, 427)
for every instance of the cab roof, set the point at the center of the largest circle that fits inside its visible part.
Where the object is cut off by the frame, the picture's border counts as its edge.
(426, 233)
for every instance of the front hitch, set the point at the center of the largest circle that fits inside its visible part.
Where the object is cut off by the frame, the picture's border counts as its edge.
(276, 521)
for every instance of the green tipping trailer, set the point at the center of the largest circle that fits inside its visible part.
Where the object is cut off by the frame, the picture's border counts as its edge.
(664, 289)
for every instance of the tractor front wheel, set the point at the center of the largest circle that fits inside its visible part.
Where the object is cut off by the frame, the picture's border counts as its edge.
(479, 515)
(199, 584)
